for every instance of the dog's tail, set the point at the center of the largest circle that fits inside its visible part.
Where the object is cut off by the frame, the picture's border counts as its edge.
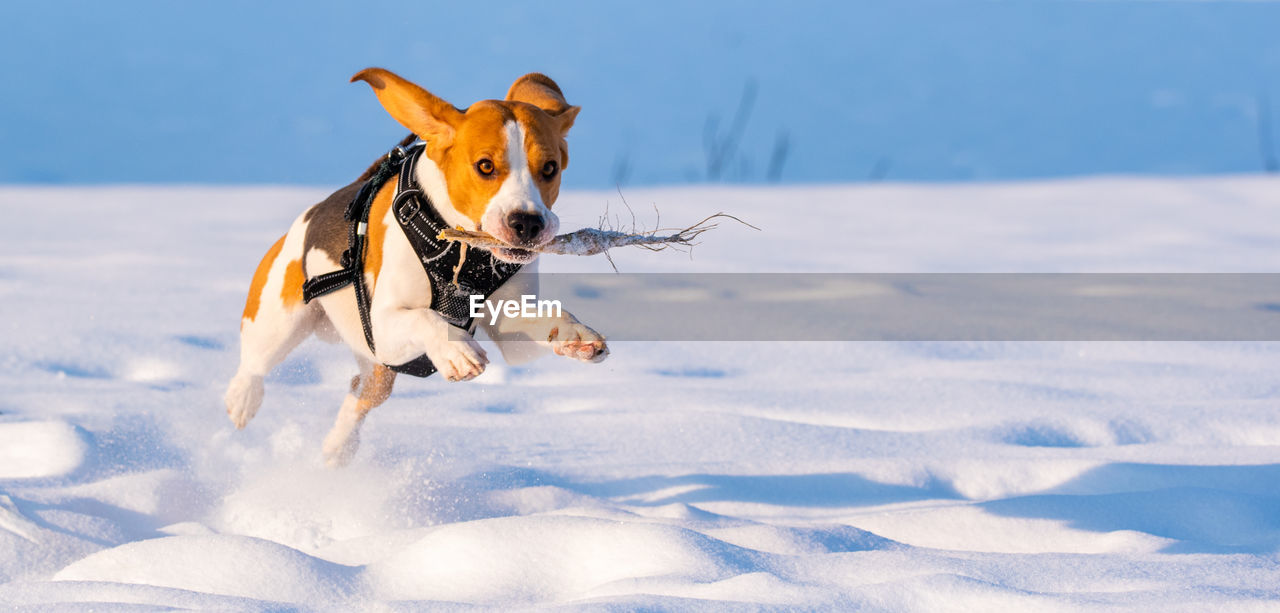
(404, 142)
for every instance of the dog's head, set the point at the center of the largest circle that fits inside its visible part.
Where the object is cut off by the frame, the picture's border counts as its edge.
(499, 160)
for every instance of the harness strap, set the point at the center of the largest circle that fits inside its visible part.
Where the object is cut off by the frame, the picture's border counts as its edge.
(352, 271)
(451, 285)
(421, 222)
(320, 285)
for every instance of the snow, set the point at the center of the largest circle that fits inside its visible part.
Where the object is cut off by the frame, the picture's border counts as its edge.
(903, 476)
(223, 565)
(39, 449)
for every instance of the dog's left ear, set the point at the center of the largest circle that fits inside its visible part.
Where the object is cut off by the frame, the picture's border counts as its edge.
(540, 91)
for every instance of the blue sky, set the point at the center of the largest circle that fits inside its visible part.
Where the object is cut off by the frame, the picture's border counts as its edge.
(256, 92)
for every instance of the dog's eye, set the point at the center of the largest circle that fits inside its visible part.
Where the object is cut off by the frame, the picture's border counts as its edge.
(549, 169)
(485, 167)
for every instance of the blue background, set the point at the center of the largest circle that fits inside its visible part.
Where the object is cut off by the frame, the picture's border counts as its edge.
(257, 92)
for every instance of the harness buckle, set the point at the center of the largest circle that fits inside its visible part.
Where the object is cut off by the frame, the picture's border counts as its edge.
(409, 208)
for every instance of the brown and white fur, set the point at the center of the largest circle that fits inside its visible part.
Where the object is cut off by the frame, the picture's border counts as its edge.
(494, 167)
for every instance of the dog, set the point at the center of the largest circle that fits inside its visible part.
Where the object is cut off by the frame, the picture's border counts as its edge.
(493, 167)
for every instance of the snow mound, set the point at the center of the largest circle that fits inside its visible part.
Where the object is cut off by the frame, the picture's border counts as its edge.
(307, 506)
(100, 596)
(223, 565)
(35, 449)
(548, 559)
(26, 548)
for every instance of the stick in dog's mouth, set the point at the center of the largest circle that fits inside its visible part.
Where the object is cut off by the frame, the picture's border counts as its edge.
(515, 255)
(591, 241)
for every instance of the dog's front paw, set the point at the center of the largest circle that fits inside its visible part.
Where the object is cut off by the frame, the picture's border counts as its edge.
(579, 342)
(458, 360)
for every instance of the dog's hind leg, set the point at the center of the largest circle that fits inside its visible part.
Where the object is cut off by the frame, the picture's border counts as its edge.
(369, 389)
(275, 320)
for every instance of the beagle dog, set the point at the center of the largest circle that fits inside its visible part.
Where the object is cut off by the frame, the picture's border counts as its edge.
(493, 167)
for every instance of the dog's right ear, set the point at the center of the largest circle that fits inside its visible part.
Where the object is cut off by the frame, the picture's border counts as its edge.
(415, 108)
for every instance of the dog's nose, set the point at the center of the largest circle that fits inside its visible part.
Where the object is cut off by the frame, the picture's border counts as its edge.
(526, 226)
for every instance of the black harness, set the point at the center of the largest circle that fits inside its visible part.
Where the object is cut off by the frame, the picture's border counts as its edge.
(456, 270)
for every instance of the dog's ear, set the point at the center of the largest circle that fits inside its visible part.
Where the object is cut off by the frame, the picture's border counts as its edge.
(540, 91)
(415, 108)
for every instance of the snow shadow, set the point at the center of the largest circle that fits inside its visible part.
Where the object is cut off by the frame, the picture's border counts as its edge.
(692, 372)
(100, 523)
(1071, 433)
(1204, 509)
(480, 494)
(133, 443)
(73, 369)
(296, 370)
(201, 342)
(810, 490)
(1040, 435)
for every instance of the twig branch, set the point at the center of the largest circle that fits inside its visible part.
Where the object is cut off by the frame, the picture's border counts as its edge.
(593, 241)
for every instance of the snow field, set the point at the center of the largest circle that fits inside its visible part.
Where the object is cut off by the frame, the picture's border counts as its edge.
(909, 476)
